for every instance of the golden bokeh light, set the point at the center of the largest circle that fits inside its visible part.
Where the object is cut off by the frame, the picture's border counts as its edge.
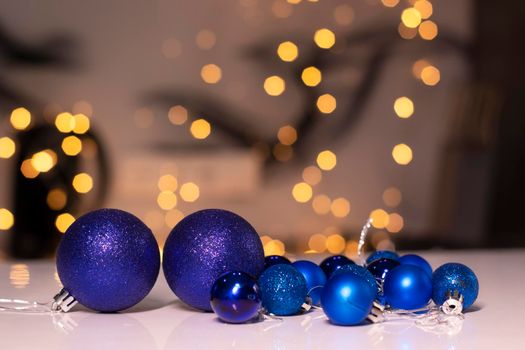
(82, 123)
(380, 218)
(274, 247)
(321, 204)
(326, 160)
(19, 276)
(324, 38)
(405, 32)
(404, 107)
(282, 152)
(274, 85)
(351, 248)
(173, 217)
(27, 169)
(178, 115)
(65, 122)
(56, 199)
(144, 118)
(430, 76)
(44, 161)
(344, 15)
(63, 221)
(293, 2)
(312, 175)
(311, 76)
(411, 17)
(326, 103)
(20, 118)
(83, 107)
(395, 223)
(428, 30)
(281, 9)
(167, 182)
(340, 207)
(418, 67)
(7, 219)
(200, 129)
(287, 51)
(7, 147)
(302, 192)
(392, 197)
(72, 145)
(390, 3)
(167, 200)
(287, 135)
(171, 48)
(83, 183)
(189, 192)
(424, 7)
(205, 39)
(402, 154)
(317, 242)
(211, 73)
(335, 244)
(154, 219)
(265, 239)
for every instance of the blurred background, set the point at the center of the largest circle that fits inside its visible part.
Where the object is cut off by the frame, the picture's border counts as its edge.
(305, 117)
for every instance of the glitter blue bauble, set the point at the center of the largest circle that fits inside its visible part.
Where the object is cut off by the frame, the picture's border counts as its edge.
(283, 290)
(413, 259)
(236, 297)
(203, 246)
(452, 277)
(347, 299)
(314, 276)
(381, 267)
(360, 271)
(378, 254)
(332, 263)
(407, 287)
(274, 260)
(108, 260)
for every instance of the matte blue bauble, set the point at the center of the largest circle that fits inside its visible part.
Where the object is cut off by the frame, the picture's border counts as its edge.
(347, 299)
(381, 267)
(203, 246)
(283, 290)
(314, 276)
(359, 271)
(236, 297)
(108, 260)
(413, 259)
(332, 263)
(407, 287)
(271, 260)
(378, 254)
(452, 277)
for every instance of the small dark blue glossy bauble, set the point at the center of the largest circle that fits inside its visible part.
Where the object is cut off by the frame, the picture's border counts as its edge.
(108, 260)
(407, 287)
(332, 263)
(283, 290)
(203, 246)
(381, 267)
(378, 254)
(360, 271)
(236, 297)
(314, 276)
(271, 260)
(347, 299)
(413, 259)
(452, 277)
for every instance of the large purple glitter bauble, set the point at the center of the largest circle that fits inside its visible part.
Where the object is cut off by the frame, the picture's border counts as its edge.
(108, 260)
(205, 245)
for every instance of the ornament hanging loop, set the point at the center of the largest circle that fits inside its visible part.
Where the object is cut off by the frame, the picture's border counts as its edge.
(63, 301)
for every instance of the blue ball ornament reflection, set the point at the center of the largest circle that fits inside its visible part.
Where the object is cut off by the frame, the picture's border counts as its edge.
(314, 276)
(378, 254)
(381, 267)
(413, 259)
(407, 287)
(283, 290)
(359, 271)
(274, 260)
(236, 297)
(347, 299)
(455, 277)
(333, 263)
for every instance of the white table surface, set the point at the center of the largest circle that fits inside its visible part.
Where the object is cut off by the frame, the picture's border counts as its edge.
(162, 322)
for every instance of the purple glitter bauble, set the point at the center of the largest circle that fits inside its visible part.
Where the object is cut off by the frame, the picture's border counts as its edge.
(205, 245)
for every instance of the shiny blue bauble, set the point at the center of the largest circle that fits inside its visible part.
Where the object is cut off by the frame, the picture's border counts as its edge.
(452, 277)
(332, 263)
(271, 260)
(236, 297)
(283, 290)
(347, 299)
(413, 259)
(407, 287)
(314, 276)
(381, 267)
(108, 260)
(378, 254)
(359, 271)
(203, 246)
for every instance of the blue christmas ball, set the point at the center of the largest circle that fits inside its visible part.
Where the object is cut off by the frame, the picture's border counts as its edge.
(413, 259)
(236, 297)
(203, 246)
(108, 260)
(283, 290)
(314, 276)
(332, 263)
(381, 267)
(274, 260)
(407, 287)
(347, 299)
(359, 271)
(378, 254)
(455, 277)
